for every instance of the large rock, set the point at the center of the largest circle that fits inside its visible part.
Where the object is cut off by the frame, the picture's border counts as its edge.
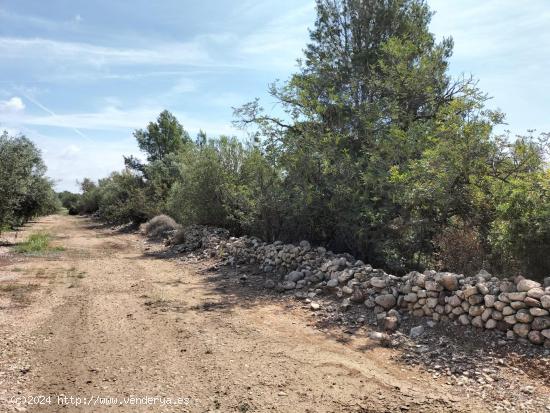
(386, 301)
(507, 311)
(510, 319)
(295, 276)
(332, 283)
(345, 276)
(516, 305)
(526, 285)
(470, 290)
(411, 298)
(545, 301)
(454, 301)
(532, 302)
(489, 300)
(538, 312)
(521, 329)
(541, 323)
(464, 320)
(523, 316)
(535, 337)
(475, 299)
(476, 310)
(477, 322)
(490, 324)
(449, 281)
(289, 285)
(431, 285)
(378, 282)
(516, 296)
(535, 293)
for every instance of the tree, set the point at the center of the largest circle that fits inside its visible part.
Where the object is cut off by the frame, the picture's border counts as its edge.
(365, 101)
(25, 192)
(159, 139)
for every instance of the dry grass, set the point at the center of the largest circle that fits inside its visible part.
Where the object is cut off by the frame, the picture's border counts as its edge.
(18, 292)
(160, 227)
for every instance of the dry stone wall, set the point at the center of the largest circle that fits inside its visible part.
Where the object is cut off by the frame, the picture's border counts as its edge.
(517, 306)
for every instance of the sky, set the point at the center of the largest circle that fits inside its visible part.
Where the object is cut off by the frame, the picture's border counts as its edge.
(78, 77)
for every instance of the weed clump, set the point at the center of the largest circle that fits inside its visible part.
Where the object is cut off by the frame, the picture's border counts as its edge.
(160, 227)
(36, 243)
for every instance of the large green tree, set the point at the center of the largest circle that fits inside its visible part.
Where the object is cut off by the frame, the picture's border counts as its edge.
(366, 100)
(25, 192)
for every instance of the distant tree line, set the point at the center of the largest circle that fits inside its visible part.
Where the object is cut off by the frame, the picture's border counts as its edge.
(25, 191)
(378, 151)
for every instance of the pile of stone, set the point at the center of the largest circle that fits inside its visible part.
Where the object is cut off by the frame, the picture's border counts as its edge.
(517, 306)
(195, 237)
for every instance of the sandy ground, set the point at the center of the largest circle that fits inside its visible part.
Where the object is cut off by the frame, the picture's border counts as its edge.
(109, 324)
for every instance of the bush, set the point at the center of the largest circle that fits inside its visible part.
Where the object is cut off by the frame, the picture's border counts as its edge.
(160, 227)
(459, 249)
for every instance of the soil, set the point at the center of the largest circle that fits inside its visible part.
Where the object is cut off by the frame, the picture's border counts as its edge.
(110, 322)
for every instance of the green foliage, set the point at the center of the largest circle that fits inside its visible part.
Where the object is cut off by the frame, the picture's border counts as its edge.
(36, 243)
(520, 233)
(207, 191)
(70, 201)
(25, 192)
(377, 151)
(121, 199)
(159, 139)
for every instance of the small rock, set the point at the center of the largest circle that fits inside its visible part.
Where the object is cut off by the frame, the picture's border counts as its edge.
(528, 389)
(416, 331)
(376, 335)
(391, 323)
(332, 283)
(270, 284)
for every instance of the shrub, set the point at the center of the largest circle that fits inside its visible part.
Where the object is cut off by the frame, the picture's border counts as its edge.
(160, 227)
(459, 249)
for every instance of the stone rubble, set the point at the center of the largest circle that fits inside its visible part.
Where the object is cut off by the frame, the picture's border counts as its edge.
(517, 306)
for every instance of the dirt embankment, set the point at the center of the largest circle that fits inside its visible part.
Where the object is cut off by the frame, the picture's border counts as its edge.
(117, 328)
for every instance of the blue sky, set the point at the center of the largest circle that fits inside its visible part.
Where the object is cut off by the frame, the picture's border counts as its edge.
(78, 77)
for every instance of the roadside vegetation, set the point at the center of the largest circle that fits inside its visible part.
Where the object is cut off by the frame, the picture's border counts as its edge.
(375, 149)
(25, 191)
(37, 243)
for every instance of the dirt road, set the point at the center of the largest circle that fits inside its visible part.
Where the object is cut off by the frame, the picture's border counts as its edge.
(109, 324)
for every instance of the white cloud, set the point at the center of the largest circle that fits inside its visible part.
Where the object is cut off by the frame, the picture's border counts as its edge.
(60, 52)
(14, 104)
(279, 43)
(111, 118)
(70, 152)
(78, 18)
